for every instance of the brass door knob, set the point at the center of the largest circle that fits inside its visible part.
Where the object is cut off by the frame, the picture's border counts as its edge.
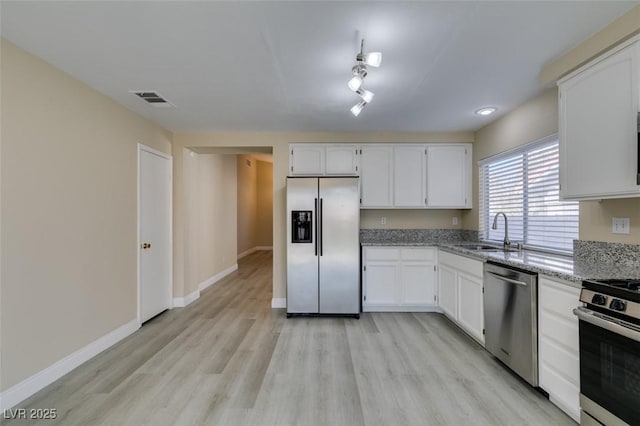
(145, 246)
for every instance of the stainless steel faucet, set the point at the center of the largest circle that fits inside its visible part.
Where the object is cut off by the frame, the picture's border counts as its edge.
(507, 243)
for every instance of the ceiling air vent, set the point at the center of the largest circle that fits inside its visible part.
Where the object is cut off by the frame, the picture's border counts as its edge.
(152, 98)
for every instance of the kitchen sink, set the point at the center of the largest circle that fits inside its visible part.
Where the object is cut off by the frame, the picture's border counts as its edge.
(478, 247)
(485, 247)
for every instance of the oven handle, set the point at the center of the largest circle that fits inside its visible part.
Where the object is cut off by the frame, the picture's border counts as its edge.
(614, 325)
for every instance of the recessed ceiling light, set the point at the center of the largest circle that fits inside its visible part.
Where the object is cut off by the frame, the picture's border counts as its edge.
(486, 111)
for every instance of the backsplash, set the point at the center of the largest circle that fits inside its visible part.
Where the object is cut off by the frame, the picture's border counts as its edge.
(599, 252)
(417, 235)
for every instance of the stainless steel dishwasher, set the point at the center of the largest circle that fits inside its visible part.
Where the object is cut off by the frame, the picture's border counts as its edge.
(511, 320)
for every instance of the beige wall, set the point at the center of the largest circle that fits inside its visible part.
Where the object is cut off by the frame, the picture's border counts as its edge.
(410, 219)
(247, 202)
(69, 221)
(190, 192)
(216, 199)
(279, 144)
(537, 118)
(596, 218)
(531, 121)
(624, 27)
(264, 193)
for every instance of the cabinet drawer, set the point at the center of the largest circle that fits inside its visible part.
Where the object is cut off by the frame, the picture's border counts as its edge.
(470, 266)
(559, 299)
(381, 253)
(418, 254)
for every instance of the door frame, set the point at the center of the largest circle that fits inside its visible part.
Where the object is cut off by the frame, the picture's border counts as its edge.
(168, 157)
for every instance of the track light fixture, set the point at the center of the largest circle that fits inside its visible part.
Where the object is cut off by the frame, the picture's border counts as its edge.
(359, 72)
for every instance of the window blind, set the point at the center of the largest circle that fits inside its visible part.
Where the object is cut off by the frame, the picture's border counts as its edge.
(525, 185)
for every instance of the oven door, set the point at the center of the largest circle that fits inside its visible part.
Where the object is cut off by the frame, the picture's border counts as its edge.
(609, 368)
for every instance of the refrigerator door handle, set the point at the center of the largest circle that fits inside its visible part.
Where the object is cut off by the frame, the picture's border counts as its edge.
(315, 213)
(320, 227)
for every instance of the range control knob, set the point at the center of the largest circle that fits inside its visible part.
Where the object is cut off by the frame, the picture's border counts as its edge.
(599, 299)
(618, 305)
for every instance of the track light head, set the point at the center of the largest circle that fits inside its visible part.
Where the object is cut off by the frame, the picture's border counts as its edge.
(357, 108)
(365, 94)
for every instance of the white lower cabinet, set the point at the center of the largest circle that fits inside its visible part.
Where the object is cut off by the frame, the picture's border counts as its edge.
(448, 290)
(460, 287)
(471, 304)
(558, 349)
(400, 279)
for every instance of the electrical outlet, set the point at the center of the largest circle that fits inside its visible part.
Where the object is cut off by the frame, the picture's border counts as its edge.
(454, 220)
(620, 225)
(383, 220)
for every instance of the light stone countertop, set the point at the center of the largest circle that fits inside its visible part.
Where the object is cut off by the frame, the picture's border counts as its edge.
(572, 269)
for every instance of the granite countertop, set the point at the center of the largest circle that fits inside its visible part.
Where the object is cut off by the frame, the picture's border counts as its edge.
(554, 265)
(592, 260)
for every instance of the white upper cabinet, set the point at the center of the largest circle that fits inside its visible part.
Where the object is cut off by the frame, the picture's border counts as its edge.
(306, 159)
(404, 176)
(342, 160)
(599, 107)
(376, 172)
(323, 159)
(449, 176)
(409, 175)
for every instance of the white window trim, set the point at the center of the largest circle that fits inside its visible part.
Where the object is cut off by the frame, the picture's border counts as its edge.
(504, 155)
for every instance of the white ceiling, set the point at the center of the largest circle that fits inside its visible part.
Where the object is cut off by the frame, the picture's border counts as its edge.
(283, 66)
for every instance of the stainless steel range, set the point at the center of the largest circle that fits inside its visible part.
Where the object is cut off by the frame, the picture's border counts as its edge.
(610, 352)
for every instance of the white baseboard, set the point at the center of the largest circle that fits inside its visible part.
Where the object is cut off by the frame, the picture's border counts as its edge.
(253, 250)
(23, 390)
(279, 302)
(181, 302)
(246, 253)
(217, 277)
(396, 308)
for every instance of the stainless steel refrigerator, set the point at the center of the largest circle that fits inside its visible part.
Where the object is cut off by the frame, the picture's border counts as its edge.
(323, 248)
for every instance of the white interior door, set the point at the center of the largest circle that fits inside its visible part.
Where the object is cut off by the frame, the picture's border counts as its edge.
(154, 193)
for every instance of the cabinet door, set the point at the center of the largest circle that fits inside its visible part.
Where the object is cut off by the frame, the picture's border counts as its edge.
(558, 350)
(449, 176)
(380, 284)
(598, 129)
(409, 164)
(448, 291)
(470, 305)
(341, 160)
(376, 167)
(306, 159)
(418, 283)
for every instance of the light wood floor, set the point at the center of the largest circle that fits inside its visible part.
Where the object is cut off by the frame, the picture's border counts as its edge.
(229, 359)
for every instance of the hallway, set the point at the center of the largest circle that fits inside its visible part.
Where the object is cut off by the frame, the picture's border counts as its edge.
(229, 359)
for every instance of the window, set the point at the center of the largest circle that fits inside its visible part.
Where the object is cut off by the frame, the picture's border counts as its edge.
(525, 185)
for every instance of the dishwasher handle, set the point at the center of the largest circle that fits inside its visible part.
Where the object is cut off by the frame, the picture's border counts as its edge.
(507, 279)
